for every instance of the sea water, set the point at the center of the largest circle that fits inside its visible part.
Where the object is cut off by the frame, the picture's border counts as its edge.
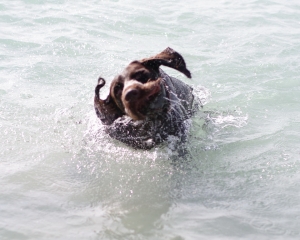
(62, 178)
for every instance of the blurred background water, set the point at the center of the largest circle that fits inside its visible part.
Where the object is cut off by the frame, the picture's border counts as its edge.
(62, 178)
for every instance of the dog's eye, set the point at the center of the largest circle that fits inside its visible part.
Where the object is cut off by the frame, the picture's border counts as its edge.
(118, 89)
(142, 77)
(119, 86)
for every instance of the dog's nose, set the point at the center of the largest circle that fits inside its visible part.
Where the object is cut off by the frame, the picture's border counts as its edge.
(131, 95)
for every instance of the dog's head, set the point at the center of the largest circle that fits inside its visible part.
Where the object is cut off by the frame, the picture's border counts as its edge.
(133, 91)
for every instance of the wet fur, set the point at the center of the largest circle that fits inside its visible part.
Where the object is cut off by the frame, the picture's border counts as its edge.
(145, 105)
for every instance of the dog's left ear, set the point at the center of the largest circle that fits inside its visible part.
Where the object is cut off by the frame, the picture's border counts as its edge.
(106, 110)
(169, 58)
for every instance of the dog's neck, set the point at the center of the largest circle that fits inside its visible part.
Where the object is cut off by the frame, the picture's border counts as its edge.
(161, 103)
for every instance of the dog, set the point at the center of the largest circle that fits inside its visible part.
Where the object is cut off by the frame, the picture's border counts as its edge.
(145, 105)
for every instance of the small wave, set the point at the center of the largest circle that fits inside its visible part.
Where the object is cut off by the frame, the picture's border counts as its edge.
(202, 94)
(226, 119)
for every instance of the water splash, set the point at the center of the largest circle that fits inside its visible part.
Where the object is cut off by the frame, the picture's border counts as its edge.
(227, 119)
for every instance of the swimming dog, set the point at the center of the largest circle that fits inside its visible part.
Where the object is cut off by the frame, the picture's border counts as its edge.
(145, 105)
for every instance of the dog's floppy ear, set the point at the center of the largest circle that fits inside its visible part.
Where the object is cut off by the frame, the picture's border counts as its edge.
(169, 58)
(106, 110)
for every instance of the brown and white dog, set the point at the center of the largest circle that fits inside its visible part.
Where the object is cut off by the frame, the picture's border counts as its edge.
(145, 105)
